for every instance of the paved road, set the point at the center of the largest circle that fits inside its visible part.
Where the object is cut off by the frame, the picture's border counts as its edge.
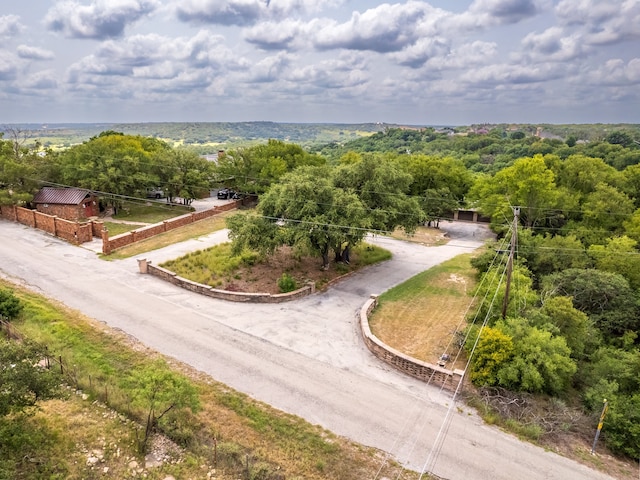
(304, 357)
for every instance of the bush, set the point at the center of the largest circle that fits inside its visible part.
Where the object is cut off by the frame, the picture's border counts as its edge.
(10, 306)
(286, 283)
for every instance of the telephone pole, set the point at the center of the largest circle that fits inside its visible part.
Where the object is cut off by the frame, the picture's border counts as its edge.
(512, 252)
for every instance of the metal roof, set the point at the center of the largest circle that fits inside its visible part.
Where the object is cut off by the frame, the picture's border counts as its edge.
(61, 196)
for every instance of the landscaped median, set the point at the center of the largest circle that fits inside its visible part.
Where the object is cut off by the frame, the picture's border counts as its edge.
(146, 266)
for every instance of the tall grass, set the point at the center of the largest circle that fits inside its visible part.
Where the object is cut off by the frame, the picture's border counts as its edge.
(210, 266)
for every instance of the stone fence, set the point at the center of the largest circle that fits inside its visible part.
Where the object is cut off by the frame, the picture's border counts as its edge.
(427, 372)
(145, 266)
(68, 230)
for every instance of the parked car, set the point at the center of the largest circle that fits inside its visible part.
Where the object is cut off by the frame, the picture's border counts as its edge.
(226, 193)
(155, 193)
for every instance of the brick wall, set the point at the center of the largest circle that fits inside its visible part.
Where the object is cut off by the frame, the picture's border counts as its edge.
(70, 231)
(111, 244)
(434, 374)
(70, 212)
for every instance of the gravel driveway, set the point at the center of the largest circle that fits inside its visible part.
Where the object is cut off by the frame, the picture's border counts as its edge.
(305, 357)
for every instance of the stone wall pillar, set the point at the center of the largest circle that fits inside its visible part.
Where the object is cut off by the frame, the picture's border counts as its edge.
(106, 245)
(143, 265)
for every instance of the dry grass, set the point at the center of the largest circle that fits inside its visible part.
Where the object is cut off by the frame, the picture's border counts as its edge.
(193, 230)
(421, 316)
(423, 235)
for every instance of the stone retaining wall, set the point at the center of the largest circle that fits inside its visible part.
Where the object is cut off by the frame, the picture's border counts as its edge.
(427, 372)
(145, 266)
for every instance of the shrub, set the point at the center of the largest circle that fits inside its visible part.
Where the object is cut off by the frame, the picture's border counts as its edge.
(286, 283)
(10, 306)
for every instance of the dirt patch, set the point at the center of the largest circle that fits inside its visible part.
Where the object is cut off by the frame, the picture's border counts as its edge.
(263, 277)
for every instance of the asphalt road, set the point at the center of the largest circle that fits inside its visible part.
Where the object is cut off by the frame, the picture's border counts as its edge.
(304, 357)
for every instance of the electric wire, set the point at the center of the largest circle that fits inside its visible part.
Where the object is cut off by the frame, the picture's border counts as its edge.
(429, 464)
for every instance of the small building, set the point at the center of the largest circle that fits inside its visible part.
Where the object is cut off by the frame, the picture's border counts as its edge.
(67, 203)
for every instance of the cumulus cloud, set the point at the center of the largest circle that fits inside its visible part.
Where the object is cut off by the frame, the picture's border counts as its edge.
(346, 72)
(386, 28)
(276, 36)
(100, 20)
(42, 80)
(602, 23)
(419, 53)
(164, 64)
(483, 14)
(245, 12)
(505, 11)
(616, 72)
(508, 74)
(34, 53)
(8, 66)
(222, 12)
(10, 25)
(269, 69)
(464, 56)
(553, 45)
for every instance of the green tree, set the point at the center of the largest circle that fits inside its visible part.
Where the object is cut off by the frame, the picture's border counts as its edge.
(622, 425)
(618, 255)
(430, 172)
(620, 138)
(23, 381)
(582, 174)
(545, 254)
(381, 184)
(253, 232)
(605, 297)
(632, 226)
(255, 169)
(494, 349)
(312, 212)
(528, 183)
(491, 292)
(113, 163)
(20, 170)
(541, 362)
(159, 391)
(181, 173)
(606, 208)
(571, 323)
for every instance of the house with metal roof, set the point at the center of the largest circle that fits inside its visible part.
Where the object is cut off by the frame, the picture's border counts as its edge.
(67, 203)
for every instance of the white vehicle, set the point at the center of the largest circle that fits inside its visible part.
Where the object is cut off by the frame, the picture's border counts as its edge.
(155, 193)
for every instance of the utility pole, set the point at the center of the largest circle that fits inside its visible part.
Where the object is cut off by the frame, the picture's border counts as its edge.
(512, 252)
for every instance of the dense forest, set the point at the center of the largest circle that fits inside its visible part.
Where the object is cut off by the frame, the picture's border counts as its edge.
(569, 328)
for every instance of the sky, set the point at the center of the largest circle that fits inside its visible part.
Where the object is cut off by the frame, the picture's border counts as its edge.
(438, 62)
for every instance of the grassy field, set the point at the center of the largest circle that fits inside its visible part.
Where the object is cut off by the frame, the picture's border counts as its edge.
(154, 211)
(421, 316)
(229, 432)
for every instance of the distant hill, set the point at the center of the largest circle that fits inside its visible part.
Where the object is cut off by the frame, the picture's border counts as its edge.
(209, 137)
(205, 136)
